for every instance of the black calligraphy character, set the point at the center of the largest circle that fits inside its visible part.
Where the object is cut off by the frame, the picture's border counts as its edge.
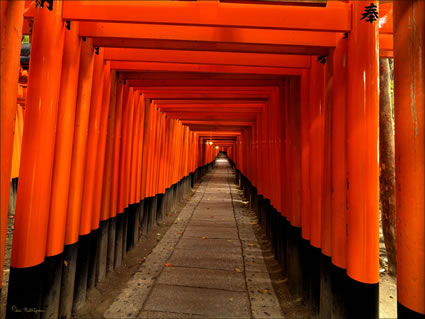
(370, 14)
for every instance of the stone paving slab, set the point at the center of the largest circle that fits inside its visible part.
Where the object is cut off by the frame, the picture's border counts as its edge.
(212, 218)
(206, 259)
(216, 209)
(212, 223)
(199, 301)
(211, 244)
(220, 208)
(212, 232)
(203, 278)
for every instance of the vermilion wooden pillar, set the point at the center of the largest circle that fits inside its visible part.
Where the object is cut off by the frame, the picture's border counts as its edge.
(135, 145)
(339, 172)
(129, 146)
(294, 123)
(287, 158)
(140, 149)
(116, 150)
(11, 33)
(38, 147)
(316, 101)
(409, 88)
(80, 142)
(92, 143)
(107, 174)
(77, 176)
(64, 142)
(326, 229)
(107, 113)
(62, 170)
(305, 157)
(339, 180)
(362, 120)
(146, 137)
(123, 187)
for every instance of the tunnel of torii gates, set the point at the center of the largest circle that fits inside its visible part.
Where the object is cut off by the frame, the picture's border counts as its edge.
(126, 105)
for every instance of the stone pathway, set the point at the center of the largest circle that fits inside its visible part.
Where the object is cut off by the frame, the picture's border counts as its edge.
(208, 265)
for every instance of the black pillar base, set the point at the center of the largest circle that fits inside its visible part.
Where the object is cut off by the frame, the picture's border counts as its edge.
(119, 240)
(261, 211)
(112, 231)
(102, 250)
(135, 228)
(314, 277)
(254, 200)
(167, 202)
(125, 232)
(82, 271)
(70, 254)
(24, 292)
(146, 215)
(294, 261)
(160, 208)
(275, 219)
(174, 201)
(325, 287)
(338, 290)
(131, 226)
(305, 268)
(141, 211)
(406, 313)
(153, 210)
(362, 299)
(267, 218)
(52, 275)
(283, 244)
(93, 259)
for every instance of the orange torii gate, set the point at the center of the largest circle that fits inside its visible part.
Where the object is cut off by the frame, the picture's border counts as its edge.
(123, 98)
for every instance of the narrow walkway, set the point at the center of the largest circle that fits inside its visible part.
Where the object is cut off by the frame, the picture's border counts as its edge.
(208, 265)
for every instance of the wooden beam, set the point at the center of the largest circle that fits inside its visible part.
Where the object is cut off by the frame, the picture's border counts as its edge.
(210, 38)
(196, 76)
(218, 116)
(207, 93)
(211, 103)
(208, 57)
(240, 108)
(335, 18)
(201, 82)
(209, 46)
(203, 68)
